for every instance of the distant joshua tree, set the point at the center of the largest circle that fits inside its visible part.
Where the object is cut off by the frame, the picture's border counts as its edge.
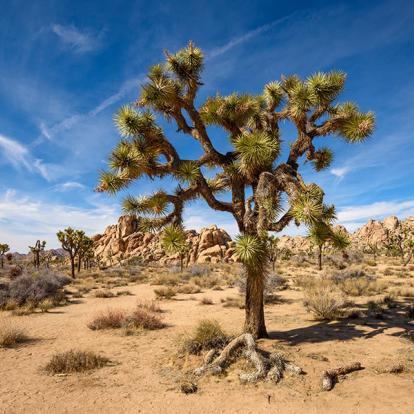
(85, 250)
(71, 241)
(322, 234)
(174, 240)
(249, 172)
(37, 249)
(4, 248)
(401, 243)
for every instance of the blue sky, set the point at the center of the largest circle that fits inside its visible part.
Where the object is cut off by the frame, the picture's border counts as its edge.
(66, 66)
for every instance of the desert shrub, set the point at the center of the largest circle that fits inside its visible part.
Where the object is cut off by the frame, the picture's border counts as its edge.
(199, 270)
(206, 301)
(189, 288)
(149, 305)
(375, 310)
(166, 280)
(207, 335)
(104, 293)
(24, 310)
(390, 301)
(361, 287)
(108, 319)
(15, 271)
(206, 282)
(75, 361)
(124, 293)
(25, 288)
(11, 334)
(45, 305)
(388, 271)
(233, 302)
(324, 300)
(165, 293)
(142, 318)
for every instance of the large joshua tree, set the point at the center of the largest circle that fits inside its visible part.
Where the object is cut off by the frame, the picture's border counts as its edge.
(252, 175)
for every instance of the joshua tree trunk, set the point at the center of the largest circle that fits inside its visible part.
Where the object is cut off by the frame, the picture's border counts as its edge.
(2, 262)
(79, 263)
(320, 257)
(72, 266)
(254, 321)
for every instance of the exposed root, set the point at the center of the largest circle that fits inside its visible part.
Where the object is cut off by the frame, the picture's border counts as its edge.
(271, 368)
(330, 377)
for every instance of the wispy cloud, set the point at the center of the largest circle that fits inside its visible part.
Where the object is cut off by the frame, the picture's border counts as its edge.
(78, 40)
(20, 157)
(243, 38)
(23, 219)
(69, 186)
(68, 123)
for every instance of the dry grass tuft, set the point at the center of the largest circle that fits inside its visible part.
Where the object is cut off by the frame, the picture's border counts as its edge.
(208, 334)
(104, 294)
(324, 300)
(206, 301)
(109, 319)
(189, 289)
(11, 334)
(233, 302)
(142, 318)
(165, 293)
(75, 361)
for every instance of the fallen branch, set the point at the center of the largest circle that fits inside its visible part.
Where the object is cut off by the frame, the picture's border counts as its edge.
(271, 368)
(330, 377)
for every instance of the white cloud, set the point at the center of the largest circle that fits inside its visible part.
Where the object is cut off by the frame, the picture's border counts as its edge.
(340, 172)
(69, 185)
(376, 210)
(24, 220)
(78, 40)
(19, 156)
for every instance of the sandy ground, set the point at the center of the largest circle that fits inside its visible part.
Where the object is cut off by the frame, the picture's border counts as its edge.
(143, 380)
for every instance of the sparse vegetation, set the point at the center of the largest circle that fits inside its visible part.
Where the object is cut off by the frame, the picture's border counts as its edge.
(207, 335)
(165, 293)
(75, 361)
(11, 334)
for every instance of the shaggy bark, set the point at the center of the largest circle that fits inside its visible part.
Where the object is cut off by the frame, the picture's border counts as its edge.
(330, 377)
(271, 368)
(254, 309)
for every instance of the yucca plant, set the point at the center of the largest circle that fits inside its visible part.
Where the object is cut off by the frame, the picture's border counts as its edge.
(173, 239)
(256, 180)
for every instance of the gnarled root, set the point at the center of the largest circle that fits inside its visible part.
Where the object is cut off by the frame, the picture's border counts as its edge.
(330, 377)
(270, 368)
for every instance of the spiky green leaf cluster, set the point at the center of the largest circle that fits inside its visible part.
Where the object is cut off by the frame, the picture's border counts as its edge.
(256, 150)
(322, 159)
(187, 171)
(131, 122)
(307, 209)
(273, 94)
(324, 88)
(251, 250)
(155, 204)
(187, 63)
(227, 111)
(173, 239)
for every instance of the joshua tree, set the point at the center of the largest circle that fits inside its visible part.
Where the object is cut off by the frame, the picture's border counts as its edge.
(37, 249)
(250, 173)
(323, 234)
(4, 248)
(85, 249)
(273, 250)
(71, 241)
(401, 243)
(174, 240)
(372, 248)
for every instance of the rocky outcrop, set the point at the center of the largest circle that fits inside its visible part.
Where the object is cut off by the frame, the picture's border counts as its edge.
(122, 241)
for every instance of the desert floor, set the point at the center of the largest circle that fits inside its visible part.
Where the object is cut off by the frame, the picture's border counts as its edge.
(144, 377)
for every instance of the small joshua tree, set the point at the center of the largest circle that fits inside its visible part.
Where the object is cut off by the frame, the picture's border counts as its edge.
(173, 240)
(273, 250)
(37, 249)
(322, 234)
(85, 249)
(4, 248)
(71, 241)
(251, 173)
